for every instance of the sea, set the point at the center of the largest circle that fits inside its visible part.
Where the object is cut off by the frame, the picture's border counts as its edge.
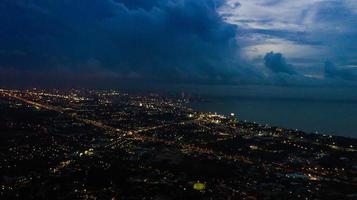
(319, 110)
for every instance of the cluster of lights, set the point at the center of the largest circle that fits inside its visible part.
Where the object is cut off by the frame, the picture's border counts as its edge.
(88, 152)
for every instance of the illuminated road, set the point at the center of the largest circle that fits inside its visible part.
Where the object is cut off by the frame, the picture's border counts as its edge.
(135, 134)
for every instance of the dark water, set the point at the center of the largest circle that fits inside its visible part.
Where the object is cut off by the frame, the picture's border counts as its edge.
(325, 117)
(325, 110)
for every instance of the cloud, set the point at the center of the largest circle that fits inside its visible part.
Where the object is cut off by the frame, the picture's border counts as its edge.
(201, 41)
(277, 64)
(158, 40)
(334, 25)
(313, 30)
(348, 73)
(280, 72)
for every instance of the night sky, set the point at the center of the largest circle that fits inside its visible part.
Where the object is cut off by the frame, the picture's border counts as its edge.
(263, 42)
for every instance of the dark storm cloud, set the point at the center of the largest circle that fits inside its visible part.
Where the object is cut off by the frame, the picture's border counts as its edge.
(280, 72)
(140, 4)
(170, 40)
(158, 39)
(336, 28)
(277, 63)
(348, 73)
